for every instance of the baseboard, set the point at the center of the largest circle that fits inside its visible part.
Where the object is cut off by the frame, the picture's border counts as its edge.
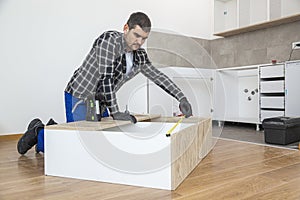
(4, 134)
(10, 137)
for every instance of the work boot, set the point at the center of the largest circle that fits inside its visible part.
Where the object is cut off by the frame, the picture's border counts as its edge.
(34, 123)
(40, 146)
(29, 138)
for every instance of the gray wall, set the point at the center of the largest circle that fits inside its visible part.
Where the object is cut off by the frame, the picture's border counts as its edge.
(175, 50)
(257, 47)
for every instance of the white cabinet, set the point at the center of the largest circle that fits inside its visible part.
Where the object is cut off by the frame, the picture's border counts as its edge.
(143, 96)
(272, 91)
(292, 94)
(245, 94)
(233, 14)
(197, 86)
(225, 15)
(236, 95)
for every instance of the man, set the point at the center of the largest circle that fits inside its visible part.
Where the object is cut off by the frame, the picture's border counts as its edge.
(113, 59)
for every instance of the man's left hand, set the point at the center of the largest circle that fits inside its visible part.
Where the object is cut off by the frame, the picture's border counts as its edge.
(185, 107)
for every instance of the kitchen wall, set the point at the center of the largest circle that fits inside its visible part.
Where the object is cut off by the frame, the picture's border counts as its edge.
(176, 50)
(256, 47)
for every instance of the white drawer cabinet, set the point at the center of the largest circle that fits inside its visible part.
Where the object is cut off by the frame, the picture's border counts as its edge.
(272, 102)
(250, 94)
(271, 113)
(272, 86)
(272, 71)
(272, 91)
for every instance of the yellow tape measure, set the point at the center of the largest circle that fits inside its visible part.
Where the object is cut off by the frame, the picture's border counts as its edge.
(175, 125)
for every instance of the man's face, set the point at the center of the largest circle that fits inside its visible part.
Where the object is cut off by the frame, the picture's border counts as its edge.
(135, 37)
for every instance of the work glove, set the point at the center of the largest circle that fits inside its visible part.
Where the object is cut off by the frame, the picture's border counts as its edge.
(185, 107)
(124, 116)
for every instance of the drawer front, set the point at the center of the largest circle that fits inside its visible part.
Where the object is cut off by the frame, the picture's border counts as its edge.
(270, 113)
(272, 102)
(272, 71)
(272, 86)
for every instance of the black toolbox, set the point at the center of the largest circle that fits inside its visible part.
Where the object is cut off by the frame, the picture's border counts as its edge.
(281, 130)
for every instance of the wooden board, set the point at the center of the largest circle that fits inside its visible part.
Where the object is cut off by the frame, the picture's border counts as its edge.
(260, 26)
(188, 148)
(105, 123)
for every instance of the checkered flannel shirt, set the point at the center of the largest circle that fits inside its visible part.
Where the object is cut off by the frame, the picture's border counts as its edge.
(104, 70)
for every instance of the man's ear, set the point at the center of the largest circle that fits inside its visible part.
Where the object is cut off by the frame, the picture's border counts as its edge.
(126, 28)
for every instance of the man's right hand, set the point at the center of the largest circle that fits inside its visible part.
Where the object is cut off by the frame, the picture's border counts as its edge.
(124, 116)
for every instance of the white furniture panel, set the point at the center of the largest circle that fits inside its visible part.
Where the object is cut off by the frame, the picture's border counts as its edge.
(88, 158)
(272, 86)
(270, 113)
(272, 71)
(199, 93)
(289, 7)
(159, 101)
(292, 93)
(272, 102)
(258, 11)
(133, 154)
(248, 100)
(134, 94)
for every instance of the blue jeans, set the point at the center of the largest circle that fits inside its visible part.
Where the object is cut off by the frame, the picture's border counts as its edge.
(75, 111)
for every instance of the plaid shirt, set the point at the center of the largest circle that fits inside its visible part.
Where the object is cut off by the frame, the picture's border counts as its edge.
(104, 70)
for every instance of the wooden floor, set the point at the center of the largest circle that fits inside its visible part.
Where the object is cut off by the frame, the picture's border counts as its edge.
(233, 170)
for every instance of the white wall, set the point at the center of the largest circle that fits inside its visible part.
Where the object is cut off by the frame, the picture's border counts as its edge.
(42, 42)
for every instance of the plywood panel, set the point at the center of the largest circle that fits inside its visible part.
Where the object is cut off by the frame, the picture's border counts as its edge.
(188, 148)
(107, 122)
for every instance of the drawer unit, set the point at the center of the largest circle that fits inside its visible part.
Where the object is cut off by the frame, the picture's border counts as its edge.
(272, 91)
(272, 86)
(272, 71)
(270, 113)
(272, 102)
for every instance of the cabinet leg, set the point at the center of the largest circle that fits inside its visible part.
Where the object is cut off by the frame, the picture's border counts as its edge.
(219, 123)
(257, 127)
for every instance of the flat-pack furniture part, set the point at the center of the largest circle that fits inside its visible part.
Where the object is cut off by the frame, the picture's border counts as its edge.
(134, 154)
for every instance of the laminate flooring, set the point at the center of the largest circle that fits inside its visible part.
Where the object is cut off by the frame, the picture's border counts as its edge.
(232, 170)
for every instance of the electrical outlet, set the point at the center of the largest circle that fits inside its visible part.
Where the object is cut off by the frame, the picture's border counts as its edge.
(296, 45)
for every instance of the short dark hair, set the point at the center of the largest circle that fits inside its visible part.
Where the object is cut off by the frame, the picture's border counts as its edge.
(141, 19)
